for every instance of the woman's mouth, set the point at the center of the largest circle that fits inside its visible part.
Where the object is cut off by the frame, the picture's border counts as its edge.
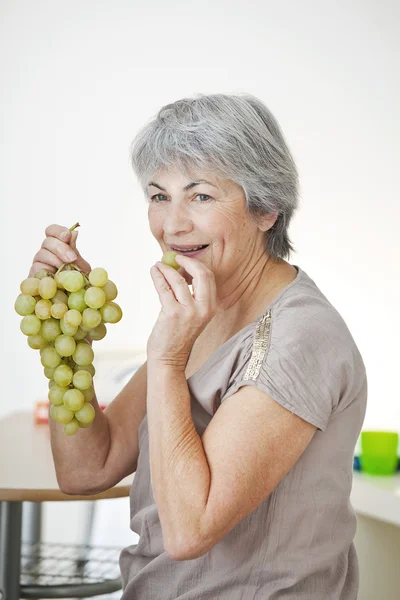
(189, 250)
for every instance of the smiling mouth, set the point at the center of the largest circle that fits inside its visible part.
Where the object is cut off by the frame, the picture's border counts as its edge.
(188, 250)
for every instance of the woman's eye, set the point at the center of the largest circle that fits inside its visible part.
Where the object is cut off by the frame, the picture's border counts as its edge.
(162, 198)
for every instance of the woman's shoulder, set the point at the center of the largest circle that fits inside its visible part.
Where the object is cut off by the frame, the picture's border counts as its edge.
(301, 352)
(303, 312)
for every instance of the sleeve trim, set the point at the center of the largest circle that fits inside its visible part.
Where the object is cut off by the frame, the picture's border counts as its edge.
(260, 346)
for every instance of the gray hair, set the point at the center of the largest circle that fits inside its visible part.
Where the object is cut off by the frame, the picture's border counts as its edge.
(234, 136)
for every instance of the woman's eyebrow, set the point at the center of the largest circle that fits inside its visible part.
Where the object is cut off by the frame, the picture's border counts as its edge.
(187, 187)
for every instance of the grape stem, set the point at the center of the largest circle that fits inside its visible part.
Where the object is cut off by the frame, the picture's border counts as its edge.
(60, 269)
(74, 226)
(80, 270)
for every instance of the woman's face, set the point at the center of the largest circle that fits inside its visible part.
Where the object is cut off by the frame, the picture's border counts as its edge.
(205, 210)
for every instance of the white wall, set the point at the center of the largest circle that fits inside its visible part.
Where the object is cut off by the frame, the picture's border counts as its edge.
(78, 79)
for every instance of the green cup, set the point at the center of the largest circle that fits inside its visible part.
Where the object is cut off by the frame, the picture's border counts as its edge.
(379, 452)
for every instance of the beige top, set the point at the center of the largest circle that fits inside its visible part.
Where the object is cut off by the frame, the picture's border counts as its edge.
(26, 464)
(298, 543)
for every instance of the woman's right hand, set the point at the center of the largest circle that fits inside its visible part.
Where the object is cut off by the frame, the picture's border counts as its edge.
(55, 249)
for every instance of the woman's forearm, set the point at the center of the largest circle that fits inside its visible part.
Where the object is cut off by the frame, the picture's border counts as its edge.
(79, 459)
(180, 473)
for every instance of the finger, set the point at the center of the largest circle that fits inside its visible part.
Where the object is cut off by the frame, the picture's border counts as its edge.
(178, 284)
(204, 287)
(59, 232)
(164, 290)
(48, 258)
(37, 266)
(80, 262)
(61, 250)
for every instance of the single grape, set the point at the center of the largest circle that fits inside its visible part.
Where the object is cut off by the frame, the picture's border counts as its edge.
(47, 287)
(79, 335)
(30, 325)
(72, 427)
(51, 383)
(83, 354)
(63, 375)
(30, 286)
(48, 345)
(58, 310)
(91, 318)
(82, 380)
(25, 305)
(63, 414)
(49, 372)
(72, 281)
(88, 394)
(111, 312)
(50, 329)
(89, 368)
(66, 329)
(169, 259)
(58, 278)
(56, 394)
(43, 309)
(98, 333)
(98, 277)
(73, 318)
(50, 358)
(77, 300)
(95, 297)
(41, 274)
(73, 399)
(85, 414)
(110, 290)
(36, 342)
(60, 297)
(53, 411)
(65, 345)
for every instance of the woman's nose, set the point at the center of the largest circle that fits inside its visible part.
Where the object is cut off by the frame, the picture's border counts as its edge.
(177, 220)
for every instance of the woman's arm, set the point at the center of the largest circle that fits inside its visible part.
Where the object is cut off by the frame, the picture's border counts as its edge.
(98, 457)
(204, 486)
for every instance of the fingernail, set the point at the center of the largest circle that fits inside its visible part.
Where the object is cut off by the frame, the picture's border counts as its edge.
(65, 235)
(71, 255)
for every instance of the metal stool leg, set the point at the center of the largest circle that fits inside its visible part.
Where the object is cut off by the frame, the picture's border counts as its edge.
(89, 522)
(88, 529)
(34, 512)
(10, 550)
(32, 530)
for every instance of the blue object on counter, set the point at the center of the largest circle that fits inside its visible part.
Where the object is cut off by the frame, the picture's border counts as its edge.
(357, 464)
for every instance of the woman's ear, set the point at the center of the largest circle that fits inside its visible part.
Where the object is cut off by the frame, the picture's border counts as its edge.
(265, 222)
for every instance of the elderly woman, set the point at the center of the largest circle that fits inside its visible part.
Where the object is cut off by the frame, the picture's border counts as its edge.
(241, 425)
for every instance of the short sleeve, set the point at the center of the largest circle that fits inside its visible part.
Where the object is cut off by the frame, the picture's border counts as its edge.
(297, 360)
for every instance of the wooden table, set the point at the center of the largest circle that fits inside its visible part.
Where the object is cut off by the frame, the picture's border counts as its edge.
(27, 474)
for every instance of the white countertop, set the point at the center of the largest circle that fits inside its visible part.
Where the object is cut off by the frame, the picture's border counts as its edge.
(377, 496)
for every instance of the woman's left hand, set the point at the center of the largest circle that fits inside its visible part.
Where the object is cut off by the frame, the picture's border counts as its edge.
(183, 316)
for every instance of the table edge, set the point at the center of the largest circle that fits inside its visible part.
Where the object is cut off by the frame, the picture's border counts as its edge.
(51, 495)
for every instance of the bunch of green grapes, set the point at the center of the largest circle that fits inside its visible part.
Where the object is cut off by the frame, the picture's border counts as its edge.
(61, 314)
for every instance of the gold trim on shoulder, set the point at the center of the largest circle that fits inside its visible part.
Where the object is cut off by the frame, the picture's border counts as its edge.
(260, 345)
